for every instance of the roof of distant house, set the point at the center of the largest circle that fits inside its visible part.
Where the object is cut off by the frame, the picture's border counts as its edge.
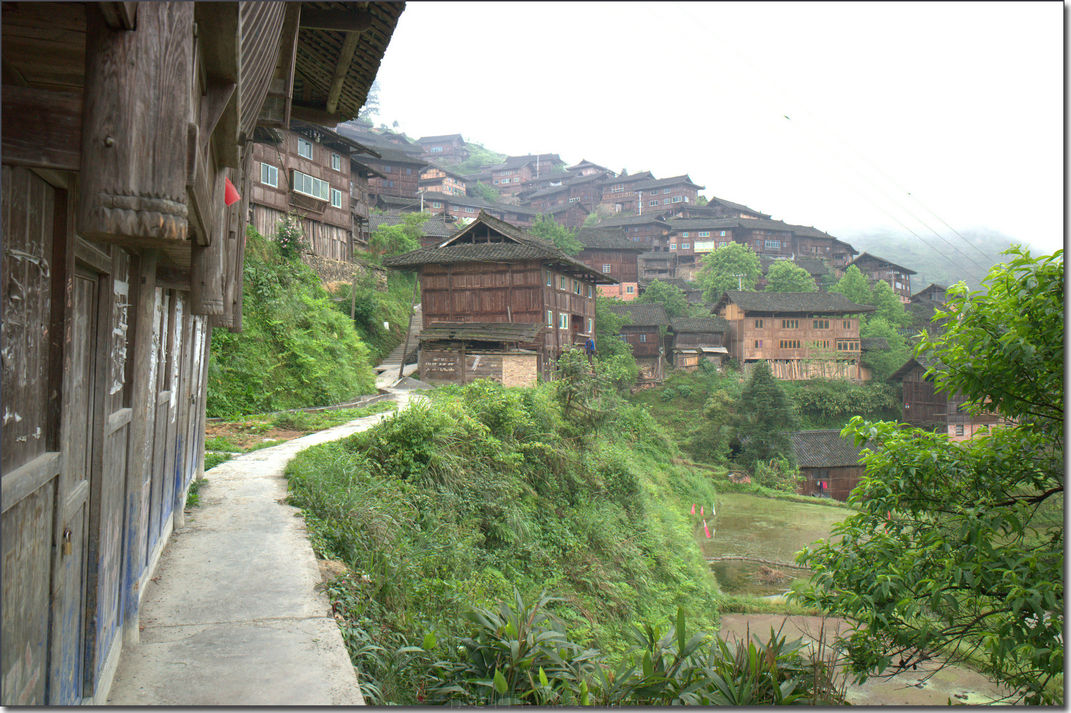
(699, 324)
(665, 183)
(633, 177)
(448, 171)
(519, 245)
(632, 220)
(602, 239)
(824, 449)
(394, 154)
(515, 162)
(736, 206)
(642, 315)
(792, 302)
(867, 257)
(928, 290)
(921, 362)
(438, 139)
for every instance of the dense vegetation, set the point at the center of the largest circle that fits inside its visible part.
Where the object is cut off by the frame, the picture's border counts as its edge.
(295, 348)
(958, 548)
(453, 503)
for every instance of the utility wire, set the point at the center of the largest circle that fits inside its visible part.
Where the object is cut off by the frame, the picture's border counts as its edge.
(697, 22)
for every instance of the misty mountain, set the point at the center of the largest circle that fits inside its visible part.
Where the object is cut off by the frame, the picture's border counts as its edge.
(932, 258)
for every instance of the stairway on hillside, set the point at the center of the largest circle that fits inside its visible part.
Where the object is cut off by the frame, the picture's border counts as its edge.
(393, 361)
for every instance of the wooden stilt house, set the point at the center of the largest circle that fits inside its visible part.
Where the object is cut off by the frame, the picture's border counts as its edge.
(126, 140)
(490, 273)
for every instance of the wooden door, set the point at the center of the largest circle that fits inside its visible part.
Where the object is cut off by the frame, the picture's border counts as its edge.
(30, 458)
(160, 381)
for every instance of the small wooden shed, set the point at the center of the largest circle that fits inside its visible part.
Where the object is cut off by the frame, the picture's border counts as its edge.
(696, 340)
(828, 463)
(460, 352)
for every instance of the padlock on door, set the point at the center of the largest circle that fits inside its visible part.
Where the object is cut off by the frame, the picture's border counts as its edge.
(67, 547)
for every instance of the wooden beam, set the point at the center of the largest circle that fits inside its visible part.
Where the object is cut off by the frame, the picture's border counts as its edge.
(288, 53)
(120, 15)
(42, 128)
(314, 115)
(345, 56)
(215, 100)
(355, 20)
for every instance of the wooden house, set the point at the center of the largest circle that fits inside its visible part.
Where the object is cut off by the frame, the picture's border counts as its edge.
(927, 408)
(572, 215)
(620, 193)
(125, 124)
(828, 463)
(587, 168)
(803, 335)
(307, 170)
(511, 176)
(585, 189)
(489, 274)
(650, 231)
(401, 171)
(696, 340)
(450, 146)
(656, 196)
(647, 332)
(656, 265)
(897, 276)
(442, 180)
(361, 201)
(612, 254)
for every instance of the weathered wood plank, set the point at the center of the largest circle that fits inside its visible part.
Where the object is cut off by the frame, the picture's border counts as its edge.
(42, 128)
(120, 15)
(126, 196)
(20, 482)
(349, 20)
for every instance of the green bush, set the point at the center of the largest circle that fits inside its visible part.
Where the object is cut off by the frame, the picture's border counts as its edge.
(454, 502)
(295, 348)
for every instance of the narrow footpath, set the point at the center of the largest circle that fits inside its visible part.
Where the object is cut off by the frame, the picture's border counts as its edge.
(233, 615)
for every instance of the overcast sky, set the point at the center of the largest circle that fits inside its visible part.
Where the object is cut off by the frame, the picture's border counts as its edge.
(846, 116)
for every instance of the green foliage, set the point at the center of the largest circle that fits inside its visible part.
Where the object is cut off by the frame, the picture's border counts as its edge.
(787, 276)
(613, 353)
(486, 192)
(763, 427)
(214, 459)
(453, 503)
(295, 349)
(884, 362)
(890, 308)
(374, 305)
(721, 268)
(669, 296)
(547, 228)
(1005, 347)
(193, 495)
(830, 403)
(854, 285)
(701, 201)
(958, 548)
(521, 655)
(778, 473)
(289, 237)
(396, 239)
(221, 443)
(479, 157)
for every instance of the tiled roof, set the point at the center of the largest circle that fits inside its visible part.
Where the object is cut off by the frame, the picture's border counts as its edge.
(433, 227)
(813, 266)
(448, 171)
(642, 315)
(932, 287)
(921, 361)
(823, 449)
(792, 302)
(736, 206)
(631, 220)
(867, 257)
(480, 331)
(632, 178)
(699, 324)
(436, 139)
(519, 246)
(514, 162)
(665, 183)
(603, 239)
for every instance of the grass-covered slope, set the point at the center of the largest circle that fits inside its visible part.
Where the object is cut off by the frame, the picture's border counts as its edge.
(452, 504)
(294, 350)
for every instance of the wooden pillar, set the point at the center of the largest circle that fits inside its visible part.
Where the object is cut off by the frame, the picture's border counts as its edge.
(139, 470)
(134, 128)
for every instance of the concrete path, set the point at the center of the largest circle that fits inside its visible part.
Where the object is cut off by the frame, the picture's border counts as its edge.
(232, 615)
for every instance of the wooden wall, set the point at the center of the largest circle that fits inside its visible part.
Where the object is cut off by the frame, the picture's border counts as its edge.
(322, 239)
(840, 481)
(82, 511)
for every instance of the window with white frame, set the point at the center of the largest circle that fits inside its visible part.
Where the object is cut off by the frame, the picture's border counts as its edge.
(310, 186)
(336, 162)
(630, 289)
(772, 244)
(721, 233)
(561, 282)
(577, 287)
(550, 280)
(684, 246)
(652, 203)
(665, 202)
(643, 338)
(304, 148)
(684, 234)
(436, 204)
(665, 190)
(591, 326)
(591, 291)
(269, 175)
(336, 198)
(673, 246)
(550, 318)
(704, 233)
(563, 321)
(606, 268)
(677, 199)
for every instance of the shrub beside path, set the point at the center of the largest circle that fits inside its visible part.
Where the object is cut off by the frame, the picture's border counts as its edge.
(233, 615)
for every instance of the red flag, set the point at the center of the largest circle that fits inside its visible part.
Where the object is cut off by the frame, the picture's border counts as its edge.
(230, 193)
(700, 509)
(693, 508)
(706, 529)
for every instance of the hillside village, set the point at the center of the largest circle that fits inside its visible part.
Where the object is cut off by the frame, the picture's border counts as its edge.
(211, 497)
